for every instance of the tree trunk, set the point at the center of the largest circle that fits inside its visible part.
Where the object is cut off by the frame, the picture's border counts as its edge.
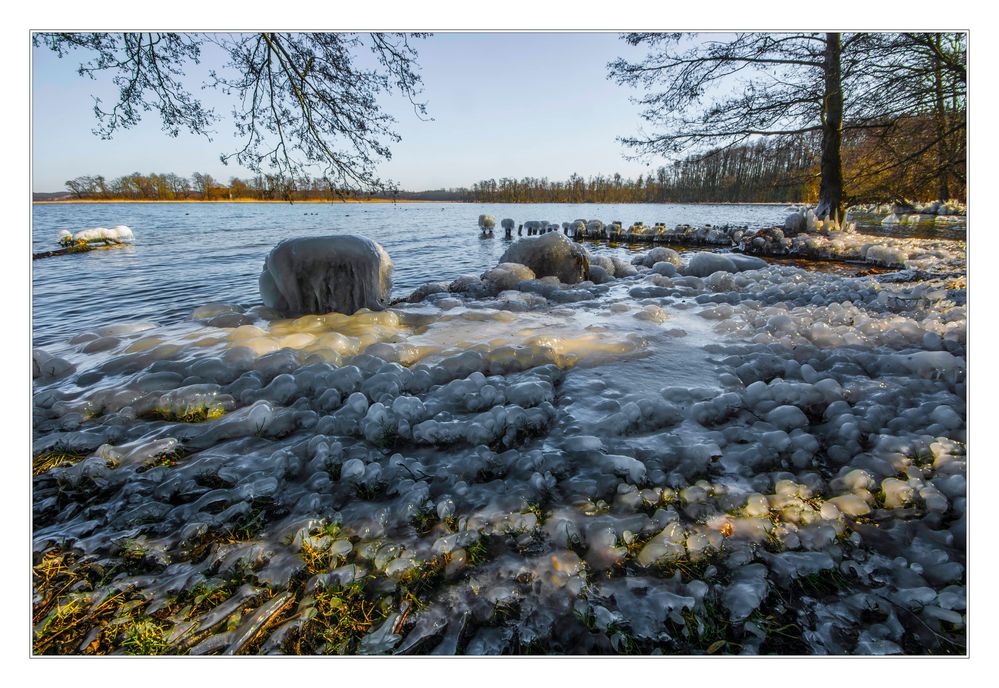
(831, 183)
(943, 188)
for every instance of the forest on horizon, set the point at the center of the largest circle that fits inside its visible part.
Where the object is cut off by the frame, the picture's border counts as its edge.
(765, 171)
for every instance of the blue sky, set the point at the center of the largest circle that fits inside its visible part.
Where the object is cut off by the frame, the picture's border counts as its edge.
(504, 105)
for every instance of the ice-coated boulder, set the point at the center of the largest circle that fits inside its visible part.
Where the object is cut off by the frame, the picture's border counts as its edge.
(322, 274)
(660, 254)
(743, 262)
(508, 276)
(703, 264)
(551, 255)
(795, 224)
(885, 255)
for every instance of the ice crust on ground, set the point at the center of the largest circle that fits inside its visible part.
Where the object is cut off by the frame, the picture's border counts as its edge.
(341, 273)
(675, 449)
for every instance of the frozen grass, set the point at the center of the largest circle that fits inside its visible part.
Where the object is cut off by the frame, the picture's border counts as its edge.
(47, 460)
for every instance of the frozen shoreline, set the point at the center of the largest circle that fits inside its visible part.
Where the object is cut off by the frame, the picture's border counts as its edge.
(595, 468)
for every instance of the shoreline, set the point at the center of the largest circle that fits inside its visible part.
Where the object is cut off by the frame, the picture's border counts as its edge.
(95, 201)
(232, 200)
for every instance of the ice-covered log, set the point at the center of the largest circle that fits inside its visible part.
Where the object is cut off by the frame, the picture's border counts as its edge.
(322, 274)
(119, 234)
(551, 255)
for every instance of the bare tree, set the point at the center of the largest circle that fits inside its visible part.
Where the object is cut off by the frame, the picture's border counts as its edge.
(302, 101)
(784, 85)
(708, 94)
(914, 87)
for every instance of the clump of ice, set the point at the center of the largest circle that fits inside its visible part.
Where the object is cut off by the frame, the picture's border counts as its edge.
(507, 276)
(657, 255)
(120, 234)
(703, 264)
(340, 274)
(886, 256)
(551, 255)
(48, 367)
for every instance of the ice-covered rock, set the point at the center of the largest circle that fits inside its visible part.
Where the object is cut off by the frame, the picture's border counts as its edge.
(48, 367)
(664, 268)
(746, 592)
(743, 262)
(702, 264)
(886, 256)
(341, 273)
(507, 276)
(551, 255)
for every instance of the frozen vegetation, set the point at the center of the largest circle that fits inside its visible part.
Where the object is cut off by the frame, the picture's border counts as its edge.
(682, 453)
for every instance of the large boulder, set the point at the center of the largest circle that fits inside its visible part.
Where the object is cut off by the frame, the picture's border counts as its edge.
(657, 255)
(703, 264)
(341, 273)
(744, 262)
(551, 254)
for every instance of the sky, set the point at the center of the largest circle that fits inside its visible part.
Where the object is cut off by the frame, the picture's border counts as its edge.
(503, 105)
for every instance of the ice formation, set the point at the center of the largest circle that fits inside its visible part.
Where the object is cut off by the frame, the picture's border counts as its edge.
(551, 255)
(527, 460)
(120, 234)
(342, 274)
(949, 207)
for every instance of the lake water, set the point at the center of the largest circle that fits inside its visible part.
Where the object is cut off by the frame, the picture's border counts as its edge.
(188, 254)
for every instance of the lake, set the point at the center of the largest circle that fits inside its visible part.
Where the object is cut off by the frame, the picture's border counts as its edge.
(188, 254)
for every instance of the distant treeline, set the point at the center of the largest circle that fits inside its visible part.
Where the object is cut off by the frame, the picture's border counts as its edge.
(878, 168)
(198, 187)
(204, 187)
(753, 173)
(765, 171)
(758, 173)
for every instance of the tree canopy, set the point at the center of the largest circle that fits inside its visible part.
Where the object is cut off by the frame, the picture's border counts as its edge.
(706, 93)
(302, 102)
